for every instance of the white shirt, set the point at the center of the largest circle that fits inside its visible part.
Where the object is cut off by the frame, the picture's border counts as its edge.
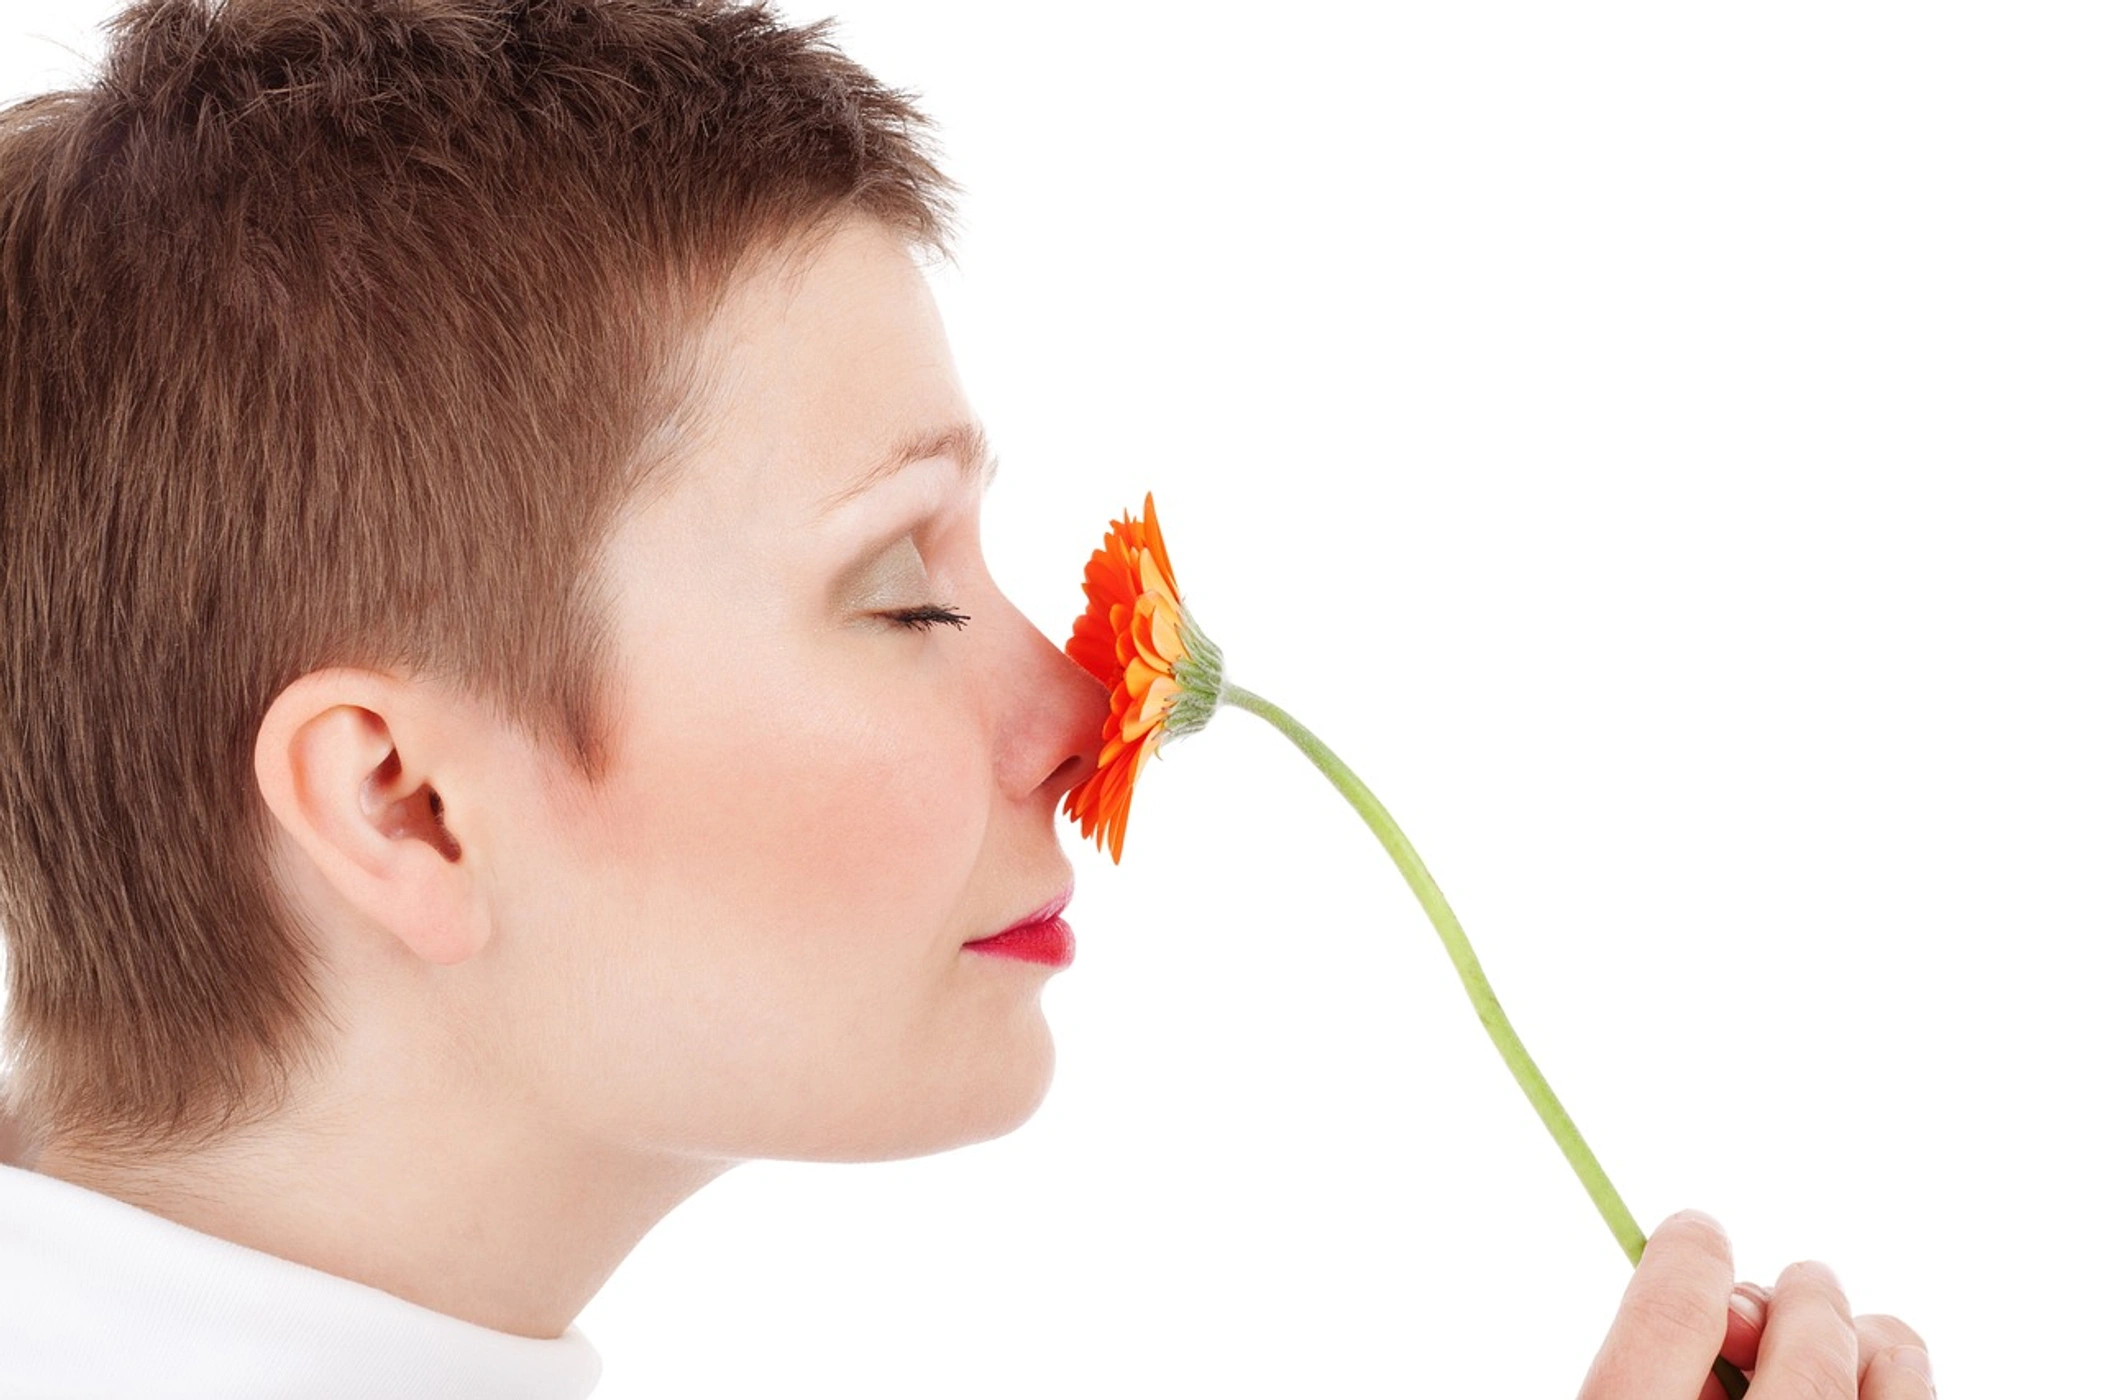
(101, 1300)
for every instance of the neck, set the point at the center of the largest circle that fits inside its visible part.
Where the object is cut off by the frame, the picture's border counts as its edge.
(485, 1216)
(14, 1143)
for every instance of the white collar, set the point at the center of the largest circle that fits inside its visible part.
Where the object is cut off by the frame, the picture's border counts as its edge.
(99, 1298)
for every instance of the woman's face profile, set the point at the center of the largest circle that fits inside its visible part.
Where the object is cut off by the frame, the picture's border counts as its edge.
(823, 782)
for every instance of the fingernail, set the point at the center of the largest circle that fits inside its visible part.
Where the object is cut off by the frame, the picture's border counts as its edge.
(1912, 1359)
(1749, 1306)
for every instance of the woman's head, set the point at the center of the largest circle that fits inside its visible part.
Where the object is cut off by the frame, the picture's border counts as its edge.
(366, 345)
(831, 759)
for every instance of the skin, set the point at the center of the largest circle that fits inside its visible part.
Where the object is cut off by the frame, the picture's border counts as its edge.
(1797, 1340)
(570, 1005)
(563, 1007)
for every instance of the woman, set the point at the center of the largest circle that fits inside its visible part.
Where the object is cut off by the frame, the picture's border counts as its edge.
(507, 713)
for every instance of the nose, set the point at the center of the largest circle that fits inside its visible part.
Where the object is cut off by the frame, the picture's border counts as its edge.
(1054, 717)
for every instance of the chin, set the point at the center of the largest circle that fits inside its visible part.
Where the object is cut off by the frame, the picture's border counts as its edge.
(998, 1094)
(1001, 1114)
(1020, 1088)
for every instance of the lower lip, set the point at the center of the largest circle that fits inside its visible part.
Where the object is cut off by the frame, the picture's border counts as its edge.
(1047, 941)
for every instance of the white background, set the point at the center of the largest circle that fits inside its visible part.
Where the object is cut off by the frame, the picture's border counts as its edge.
(1656, 445)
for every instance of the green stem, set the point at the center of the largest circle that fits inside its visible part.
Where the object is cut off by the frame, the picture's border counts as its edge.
(1563, 1129)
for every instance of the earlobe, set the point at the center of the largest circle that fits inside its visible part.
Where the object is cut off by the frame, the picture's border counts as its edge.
(346, 770)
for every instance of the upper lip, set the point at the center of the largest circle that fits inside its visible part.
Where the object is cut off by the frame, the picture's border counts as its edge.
(1044, 914)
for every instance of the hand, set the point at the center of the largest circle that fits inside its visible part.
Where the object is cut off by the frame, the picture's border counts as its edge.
(1798, 1341)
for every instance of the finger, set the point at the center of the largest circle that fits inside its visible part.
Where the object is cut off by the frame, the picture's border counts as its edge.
(1899, 1373)
(1672, 1319)
(1878, 1333)
(1747, 1304)
(1808, 1351)
(1747, 1312)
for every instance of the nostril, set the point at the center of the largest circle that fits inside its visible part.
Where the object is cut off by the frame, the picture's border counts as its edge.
(1069, 774)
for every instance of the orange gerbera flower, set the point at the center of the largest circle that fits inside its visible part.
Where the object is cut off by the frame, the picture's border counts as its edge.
(1163, 673)
(1165, 679)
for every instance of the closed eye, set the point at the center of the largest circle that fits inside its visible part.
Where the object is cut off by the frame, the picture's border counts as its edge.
(926, 616)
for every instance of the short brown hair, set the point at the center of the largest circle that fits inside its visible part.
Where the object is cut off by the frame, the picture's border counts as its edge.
(331, 332)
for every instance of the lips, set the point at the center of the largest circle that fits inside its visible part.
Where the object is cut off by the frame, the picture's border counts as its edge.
(1043, 937)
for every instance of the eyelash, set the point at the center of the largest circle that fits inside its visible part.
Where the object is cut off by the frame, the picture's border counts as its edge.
(924, 617)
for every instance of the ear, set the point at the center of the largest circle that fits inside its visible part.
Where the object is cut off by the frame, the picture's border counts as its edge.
(348, 762)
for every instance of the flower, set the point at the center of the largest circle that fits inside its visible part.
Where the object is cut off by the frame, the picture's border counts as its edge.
(1163, 674)
(1165, 679)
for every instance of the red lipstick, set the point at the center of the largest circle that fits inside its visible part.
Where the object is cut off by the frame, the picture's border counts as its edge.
(1043, 938)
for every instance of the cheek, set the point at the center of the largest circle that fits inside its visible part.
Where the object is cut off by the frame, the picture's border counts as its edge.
(819, 812)
(774, 902)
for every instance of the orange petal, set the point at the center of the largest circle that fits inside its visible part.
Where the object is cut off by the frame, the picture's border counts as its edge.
(1156, 632)
(1130, 639)
(1157, 546)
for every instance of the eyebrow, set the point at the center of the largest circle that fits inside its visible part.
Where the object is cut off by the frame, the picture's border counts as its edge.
(965, 443)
